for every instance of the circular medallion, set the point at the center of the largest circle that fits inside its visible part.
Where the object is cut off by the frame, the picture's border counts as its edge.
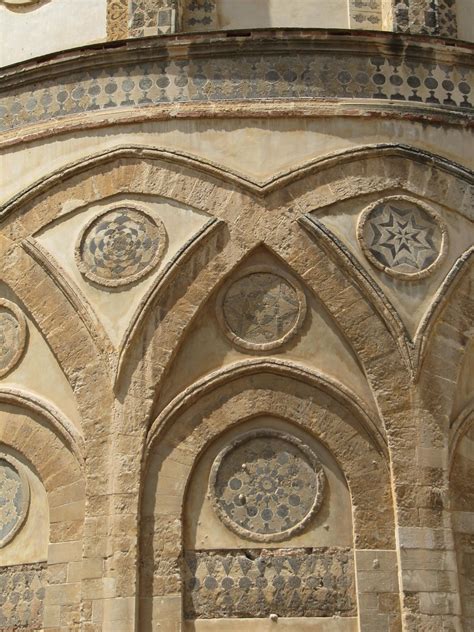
(261, 309)
(402, 238)
(266, 486)
(14, 498)
(120, 246)
(12, 335)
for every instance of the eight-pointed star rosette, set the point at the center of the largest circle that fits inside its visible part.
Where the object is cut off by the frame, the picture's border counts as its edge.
(261, 308)
(402, 237)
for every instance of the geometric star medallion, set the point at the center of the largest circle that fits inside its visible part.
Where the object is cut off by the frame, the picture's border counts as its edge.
(401, 238)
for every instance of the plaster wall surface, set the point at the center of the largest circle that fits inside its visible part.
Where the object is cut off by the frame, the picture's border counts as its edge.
(34, 30)
(245, 14)
(465, 21)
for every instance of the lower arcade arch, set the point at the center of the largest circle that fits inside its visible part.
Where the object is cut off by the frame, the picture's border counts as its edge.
(317, 489)
(42, 513)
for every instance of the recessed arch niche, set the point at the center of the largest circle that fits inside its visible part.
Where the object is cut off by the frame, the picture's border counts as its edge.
(184, 542)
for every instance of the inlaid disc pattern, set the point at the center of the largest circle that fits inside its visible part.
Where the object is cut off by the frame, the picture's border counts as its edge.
(267, 485)
(401, 237)
(261, 309)
(12, 335)
(14, 497)
(120, 246)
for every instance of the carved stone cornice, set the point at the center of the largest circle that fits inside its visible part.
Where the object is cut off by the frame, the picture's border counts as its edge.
(365, 73)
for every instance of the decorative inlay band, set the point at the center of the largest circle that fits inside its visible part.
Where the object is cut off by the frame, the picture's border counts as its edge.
(155, 71)
(261, 309)
(13, 333)
(402, 238)
(120, 246)
(267, 485)
(14, 498)
(258, 582)
(22, 597)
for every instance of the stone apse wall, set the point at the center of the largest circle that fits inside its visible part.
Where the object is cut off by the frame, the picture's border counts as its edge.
(236, 329)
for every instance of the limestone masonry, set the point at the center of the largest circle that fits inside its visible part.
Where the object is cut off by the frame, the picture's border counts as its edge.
(236, 316)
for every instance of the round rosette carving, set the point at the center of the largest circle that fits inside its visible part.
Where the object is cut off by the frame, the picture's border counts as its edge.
(266, 486)
(13, 334)
(261, 308)
(404, 238)
(14, 498)
(120, 246)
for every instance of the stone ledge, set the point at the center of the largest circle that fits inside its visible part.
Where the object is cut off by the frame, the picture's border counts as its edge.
(292, 66)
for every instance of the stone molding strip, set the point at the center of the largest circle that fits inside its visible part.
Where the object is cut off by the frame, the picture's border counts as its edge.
(74, 296)
(278, 65)
(61, 425)
(213, 380)
(459, 428)
(223, 173)
(263, 108)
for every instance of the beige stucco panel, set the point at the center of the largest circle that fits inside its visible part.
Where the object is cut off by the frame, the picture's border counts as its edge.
(30, 31)
(38, 371)
(465, 20)
(255, 148)
(116, 306)
(248, 14)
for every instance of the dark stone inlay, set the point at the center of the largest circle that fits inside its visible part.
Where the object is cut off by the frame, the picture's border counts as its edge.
(22, 590)
(310, 582)
(244, 77)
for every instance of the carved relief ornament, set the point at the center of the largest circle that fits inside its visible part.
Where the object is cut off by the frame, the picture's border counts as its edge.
(120, 246)
(261, 308)
(402, 237)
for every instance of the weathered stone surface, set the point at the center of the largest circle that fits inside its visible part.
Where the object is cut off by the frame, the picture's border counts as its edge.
(22, 593)
(259, 582)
